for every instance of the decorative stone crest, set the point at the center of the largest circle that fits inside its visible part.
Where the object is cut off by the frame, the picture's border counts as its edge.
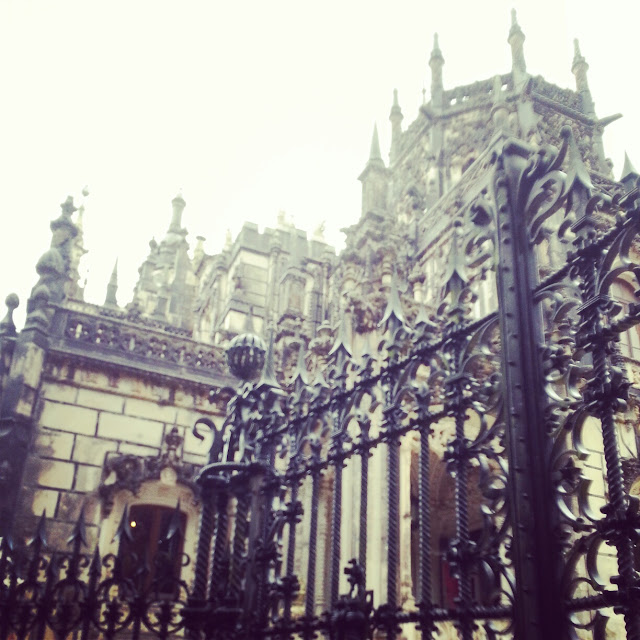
(129, 472)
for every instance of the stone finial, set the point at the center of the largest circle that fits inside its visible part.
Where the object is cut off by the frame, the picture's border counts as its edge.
(375, 157)
(578, 58)
(63, 227)
(68, 208)
(516, 41)
(374, 179)
(396, 118)
(37, 308)
(178, 204)
(198, 252)
(7, 325)
(396, 113)
(112, 288)
(436, 62)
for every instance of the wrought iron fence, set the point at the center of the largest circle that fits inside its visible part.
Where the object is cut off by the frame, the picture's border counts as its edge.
(324, 508)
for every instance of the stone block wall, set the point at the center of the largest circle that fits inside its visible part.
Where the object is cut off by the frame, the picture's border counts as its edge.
(85, 415)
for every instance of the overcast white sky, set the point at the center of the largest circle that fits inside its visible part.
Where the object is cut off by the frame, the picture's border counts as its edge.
(248, 107)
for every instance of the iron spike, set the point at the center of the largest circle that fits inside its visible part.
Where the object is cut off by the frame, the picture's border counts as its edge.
(576, 169)
(79, 532)
(342, 345)
(175, 524)
(39, 539)
(124, 529)
(268, 377)
(394, 306)
(300, 376)
(94, 567)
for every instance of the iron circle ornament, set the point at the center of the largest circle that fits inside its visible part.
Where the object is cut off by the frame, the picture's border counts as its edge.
(245, 356)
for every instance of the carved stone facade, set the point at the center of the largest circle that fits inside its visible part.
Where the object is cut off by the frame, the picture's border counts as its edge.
(99, 401)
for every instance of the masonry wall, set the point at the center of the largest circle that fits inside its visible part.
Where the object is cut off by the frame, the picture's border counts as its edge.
(84, 415)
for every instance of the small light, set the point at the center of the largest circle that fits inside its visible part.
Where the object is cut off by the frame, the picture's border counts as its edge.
(133, 524)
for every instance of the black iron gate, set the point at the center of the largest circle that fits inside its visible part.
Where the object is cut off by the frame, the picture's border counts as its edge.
(321, 515)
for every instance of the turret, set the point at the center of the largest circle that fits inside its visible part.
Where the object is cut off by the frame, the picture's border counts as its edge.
(178, 204)
(579, 69)
(516, 41)
(436, 62)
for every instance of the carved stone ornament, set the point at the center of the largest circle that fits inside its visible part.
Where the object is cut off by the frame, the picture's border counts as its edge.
(129, 472)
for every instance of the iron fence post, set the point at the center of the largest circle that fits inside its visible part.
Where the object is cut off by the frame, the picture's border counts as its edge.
(538, 607)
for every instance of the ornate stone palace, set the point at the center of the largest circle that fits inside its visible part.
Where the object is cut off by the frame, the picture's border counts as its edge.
(99, 402)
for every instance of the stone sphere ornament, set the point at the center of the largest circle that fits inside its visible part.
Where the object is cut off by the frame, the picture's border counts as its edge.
(245, 356)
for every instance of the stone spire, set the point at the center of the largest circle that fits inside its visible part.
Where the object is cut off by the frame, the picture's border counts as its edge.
(629, 177)
(112, 288)
(436, 62)
(579, 68)
(516, 40)
(396, 118)
(375, 157)
(374, 179)
(178, 204)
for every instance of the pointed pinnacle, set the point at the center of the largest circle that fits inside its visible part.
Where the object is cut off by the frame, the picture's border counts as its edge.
(396, 112)
(515, 27)
(79, 531)
(578, 58)
(375, 157)
(628, 170)
(435, 52)
(394, 306)
(576, 164)
(268, 377)
(114, 274)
